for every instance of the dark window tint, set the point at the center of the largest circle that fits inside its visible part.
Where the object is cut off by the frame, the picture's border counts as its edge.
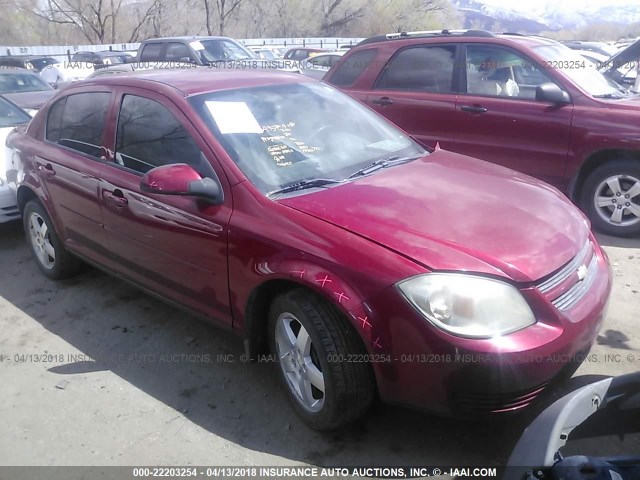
(150, 136)
(349, 69)
(151, 52)
(178, 51)
(78, 123)
(422, 69)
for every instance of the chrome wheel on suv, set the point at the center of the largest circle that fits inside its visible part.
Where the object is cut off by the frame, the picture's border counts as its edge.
(615, 199)
(611, 197)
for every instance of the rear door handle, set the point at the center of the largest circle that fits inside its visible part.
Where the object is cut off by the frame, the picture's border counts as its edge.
(473, 108)
(382, 101)
(116, 197)
(47, 169)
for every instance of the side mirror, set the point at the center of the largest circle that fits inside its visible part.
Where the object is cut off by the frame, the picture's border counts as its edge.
(181, 179)
(552, 93)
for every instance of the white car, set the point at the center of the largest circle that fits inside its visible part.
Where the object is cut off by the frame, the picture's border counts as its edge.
(318, 65)
(63, 72)
(11, 116)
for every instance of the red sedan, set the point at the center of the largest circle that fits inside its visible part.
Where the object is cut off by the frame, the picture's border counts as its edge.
(277, 206)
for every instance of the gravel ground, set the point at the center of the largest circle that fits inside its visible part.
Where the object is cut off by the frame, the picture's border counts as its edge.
(132, 381)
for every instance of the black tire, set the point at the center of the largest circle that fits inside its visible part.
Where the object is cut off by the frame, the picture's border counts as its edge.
(349, 386)
(626, 170)
(64, 265)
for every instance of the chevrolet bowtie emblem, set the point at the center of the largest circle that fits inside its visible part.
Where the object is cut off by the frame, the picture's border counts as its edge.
(582, 272)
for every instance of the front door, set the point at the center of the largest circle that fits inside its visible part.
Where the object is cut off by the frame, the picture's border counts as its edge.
(175, 246)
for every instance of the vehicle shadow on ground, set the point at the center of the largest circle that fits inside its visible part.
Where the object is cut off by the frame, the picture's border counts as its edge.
(622, 242)
(129, 333)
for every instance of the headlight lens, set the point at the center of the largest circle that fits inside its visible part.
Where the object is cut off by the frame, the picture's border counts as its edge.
(468, 306)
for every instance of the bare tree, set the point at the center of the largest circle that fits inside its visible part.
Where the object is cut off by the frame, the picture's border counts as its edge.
(224, 9)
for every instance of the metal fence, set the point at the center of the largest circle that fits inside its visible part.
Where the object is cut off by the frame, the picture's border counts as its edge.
(68, 50)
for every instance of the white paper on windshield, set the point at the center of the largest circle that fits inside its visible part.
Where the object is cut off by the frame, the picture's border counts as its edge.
(197, 45)
(233, 117)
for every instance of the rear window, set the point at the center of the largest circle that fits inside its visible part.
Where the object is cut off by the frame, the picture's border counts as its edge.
(77, 122)
(349, 69)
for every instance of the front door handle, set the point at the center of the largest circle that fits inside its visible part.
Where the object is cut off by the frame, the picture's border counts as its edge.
(473, 108)
(116, 197)
(382, 101)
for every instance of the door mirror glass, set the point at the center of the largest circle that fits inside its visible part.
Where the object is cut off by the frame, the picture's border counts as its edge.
(181, 179)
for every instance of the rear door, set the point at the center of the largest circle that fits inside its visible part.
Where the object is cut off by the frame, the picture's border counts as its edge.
(70, 162)
(417, 92)
(499, 120)
(175, 246)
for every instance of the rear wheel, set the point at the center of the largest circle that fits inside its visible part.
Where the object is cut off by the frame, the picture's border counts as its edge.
(312, 341)
(611, 197)
(50, 255)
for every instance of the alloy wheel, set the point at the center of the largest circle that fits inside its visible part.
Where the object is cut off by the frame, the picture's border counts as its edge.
(41, 241)
(617, 200)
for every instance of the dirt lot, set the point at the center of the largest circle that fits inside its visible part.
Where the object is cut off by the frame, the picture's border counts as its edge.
(132, 381)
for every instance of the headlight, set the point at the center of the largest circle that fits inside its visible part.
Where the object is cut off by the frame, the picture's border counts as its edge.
(468, 306)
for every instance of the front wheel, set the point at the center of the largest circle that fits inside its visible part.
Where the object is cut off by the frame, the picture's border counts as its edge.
(611, 197)
(311, 340)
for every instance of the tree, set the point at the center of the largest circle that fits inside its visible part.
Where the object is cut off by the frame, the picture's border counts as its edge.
(224, 9)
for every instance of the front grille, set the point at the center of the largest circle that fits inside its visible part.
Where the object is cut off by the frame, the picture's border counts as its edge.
(575, 293)
(567, 286)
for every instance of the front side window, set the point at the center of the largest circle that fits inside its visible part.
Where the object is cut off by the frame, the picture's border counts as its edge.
(420, 69)
(499, 72)
(78, 121)
(149, 136)
(178, 51)
(280, 135)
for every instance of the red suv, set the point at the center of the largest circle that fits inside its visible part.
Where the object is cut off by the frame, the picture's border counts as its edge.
(278, 206)
(528, 103)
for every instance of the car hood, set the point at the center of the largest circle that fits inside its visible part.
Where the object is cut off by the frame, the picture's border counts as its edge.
(451, 212)
(30, 100)
(628, 55)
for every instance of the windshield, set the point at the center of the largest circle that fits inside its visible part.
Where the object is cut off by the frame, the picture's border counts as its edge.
(21, 82)
(10, 115)
(221, 50)
(280, 135)
(582, 72)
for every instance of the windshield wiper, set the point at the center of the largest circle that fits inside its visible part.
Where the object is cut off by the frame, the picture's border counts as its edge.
(609, 95)
(381, 163)
(304, 184)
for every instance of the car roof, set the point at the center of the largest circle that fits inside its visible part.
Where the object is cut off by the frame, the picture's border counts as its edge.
(457, 35)
(185, 38)
(200, 80)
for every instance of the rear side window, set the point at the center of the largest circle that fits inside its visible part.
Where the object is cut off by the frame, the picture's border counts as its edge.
(420, 69)
(149, 136)
(77, 122)
(350, 68)
(151, 52)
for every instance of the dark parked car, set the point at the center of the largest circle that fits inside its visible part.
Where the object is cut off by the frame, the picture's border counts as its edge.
(277, 206)
(24, 88)
(29, 62)
(102, 59)
(528, 103)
